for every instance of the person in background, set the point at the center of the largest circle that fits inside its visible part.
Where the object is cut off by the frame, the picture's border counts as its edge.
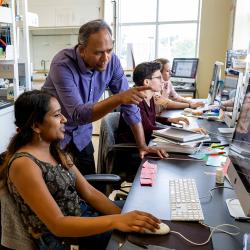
(243, 124)
(147, 74)
(78, 77)
(168, 98)
(227, 105)
(55, 201)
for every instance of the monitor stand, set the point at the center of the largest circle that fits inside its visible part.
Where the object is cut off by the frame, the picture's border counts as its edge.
(235, 209)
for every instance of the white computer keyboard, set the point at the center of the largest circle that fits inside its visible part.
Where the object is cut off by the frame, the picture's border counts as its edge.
(184, 200)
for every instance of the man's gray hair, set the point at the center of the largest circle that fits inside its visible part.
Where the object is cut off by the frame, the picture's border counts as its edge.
(91, 27)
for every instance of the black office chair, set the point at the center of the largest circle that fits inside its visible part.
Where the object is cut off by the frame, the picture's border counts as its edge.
(103, 182)
(113, 158)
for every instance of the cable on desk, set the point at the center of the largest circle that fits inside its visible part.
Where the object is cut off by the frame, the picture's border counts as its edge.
(211, 194)
(216, 228)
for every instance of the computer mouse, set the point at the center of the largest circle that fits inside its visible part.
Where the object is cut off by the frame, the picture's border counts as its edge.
(164, 229)
(188, 110)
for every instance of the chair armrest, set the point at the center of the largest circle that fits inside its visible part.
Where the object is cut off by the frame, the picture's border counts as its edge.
(102, 178)
(124, 146)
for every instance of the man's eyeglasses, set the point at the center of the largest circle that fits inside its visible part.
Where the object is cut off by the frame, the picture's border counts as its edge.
(157, 77)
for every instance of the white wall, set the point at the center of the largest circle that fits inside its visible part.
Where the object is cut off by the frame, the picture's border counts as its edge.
(215, 29)
(54, 13)
(241, 36)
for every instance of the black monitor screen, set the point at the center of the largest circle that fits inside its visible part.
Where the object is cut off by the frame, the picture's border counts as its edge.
(240, 148)
(242, 166)
(242, 130)
(184, 67)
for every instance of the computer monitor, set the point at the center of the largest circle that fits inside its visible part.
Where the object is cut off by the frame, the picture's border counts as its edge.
(184, 67)
(239, 154)
(216, 77)
(230, 117)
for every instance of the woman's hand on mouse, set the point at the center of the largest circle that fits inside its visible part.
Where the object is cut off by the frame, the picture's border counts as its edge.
(136, 221)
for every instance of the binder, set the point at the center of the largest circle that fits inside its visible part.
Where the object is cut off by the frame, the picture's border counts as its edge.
(179, 135)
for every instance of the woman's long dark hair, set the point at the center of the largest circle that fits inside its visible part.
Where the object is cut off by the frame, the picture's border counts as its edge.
(30, 107)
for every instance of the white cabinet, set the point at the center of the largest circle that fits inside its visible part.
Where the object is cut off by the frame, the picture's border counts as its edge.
(7, 127)
(59, 23)
(65, 13)
(5, 15)
(14, 22)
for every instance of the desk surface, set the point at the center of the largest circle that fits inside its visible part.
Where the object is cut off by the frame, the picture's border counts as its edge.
(155, 199)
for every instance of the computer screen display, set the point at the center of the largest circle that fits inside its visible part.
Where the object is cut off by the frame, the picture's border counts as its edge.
(184, 67)
(239, 154)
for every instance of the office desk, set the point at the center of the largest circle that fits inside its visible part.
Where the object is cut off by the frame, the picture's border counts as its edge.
(155, 199)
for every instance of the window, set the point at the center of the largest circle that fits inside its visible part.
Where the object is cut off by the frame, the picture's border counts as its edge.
(157, 28)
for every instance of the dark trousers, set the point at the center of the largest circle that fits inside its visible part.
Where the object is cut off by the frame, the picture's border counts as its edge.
(84, 160)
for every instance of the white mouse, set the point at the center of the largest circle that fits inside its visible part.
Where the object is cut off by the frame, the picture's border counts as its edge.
(164, 229)
(188, 110)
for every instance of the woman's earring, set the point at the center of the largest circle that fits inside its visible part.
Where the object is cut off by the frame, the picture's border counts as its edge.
(40, 138)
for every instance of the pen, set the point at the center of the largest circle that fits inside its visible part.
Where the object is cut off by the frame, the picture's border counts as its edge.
(219, 153)
(242, 219)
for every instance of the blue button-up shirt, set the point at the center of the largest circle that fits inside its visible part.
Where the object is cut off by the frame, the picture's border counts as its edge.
(77, 88)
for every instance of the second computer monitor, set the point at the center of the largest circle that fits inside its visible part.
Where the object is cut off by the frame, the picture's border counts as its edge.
(230, 117)
(216, 77)
(184, 67)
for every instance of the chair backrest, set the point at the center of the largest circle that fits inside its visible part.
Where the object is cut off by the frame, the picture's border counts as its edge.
(14, 234)
(122, 158)
(108, 130)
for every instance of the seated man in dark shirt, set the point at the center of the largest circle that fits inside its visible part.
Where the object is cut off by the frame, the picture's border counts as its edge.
(147, 74)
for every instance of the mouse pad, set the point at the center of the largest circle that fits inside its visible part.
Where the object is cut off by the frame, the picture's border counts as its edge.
(191, 230)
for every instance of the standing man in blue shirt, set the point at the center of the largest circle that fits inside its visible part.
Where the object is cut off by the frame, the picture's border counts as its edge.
(78, 77)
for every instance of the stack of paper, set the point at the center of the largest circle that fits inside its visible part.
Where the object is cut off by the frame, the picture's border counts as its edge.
(148, 174)
(188, 148)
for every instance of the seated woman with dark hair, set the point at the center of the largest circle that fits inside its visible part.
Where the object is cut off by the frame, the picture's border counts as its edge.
(147, 74)
(168, 98)
(55, 201)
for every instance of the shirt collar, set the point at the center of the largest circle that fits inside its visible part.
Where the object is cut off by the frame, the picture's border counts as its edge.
(82, 66)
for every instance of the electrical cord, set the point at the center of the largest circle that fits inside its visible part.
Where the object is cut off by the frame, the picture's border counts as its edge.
(216, 228)
(212, 189)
